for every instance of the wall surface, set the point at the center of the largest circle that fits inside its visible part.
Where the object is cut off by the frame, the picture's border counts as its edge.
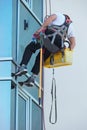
(5, 63)
(72, 80)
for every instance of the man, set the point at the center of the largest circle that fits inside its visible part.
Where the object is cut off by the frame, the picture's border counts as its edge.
(59, 20)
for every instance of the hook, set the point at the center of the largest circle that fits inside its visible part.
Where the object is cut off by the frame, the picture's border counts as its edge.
(25, 24)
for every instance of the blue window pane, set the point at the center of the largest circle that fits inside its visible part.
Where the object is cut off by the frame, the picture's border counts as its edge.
(36, 113)
(5, 69)
(21, 114)
(5, 90)
(5, 28)
(13, 109)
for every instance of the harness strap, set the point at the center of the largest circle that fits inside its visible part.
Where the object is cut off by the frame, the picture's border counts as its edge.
(51, 35)
(52, 45)
(61, 31)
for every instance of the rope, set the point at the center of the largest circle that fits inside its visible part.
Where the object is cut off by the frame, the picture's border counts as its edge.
(46, 5)
(40, 86)
(53, 94)
(54, 101)
(43, 115)
(50, 6)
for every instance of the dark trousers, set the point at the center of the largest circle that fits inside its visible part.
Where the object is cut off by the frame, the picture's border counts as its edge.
(29, 50)
(32, 47)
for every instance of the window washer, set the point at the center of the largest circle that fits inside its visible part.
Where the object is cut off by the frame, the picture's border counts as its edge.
(57, 21)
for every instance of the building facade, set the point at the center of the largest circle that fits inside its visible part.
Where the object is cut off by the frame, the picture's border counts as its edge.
(19, 106)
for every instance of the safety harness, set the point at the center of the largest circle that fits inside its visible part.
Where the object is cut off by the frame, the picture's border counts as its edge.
(57, 30)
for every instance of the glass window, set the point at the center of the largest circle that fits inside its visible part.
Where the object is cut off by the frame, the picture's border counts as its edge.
(25, 36)
(5, 28)
(13, 109)
(5, 69)
(36, 112)
(28, 3)
(36, 6)
(5, 90)
(21, 113)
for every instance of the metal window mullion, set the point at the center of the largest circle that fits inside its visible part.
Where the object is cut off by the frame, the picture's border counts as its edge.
(27, 114)
(29, 95)
(30, 113)
(16, 108)
(18, 23)
(27, 111)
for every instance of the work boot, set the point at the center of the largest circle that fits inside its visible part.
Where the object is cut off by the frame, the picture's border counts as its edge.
(30, 81)
(21, 70)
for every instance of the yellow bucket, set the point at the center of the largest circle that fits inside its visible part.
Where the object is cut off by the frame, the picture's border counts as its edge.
(60, 60)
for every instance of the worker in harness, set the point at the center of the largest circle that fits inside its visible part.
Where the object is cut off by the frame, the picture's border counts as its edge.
(55, 22)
